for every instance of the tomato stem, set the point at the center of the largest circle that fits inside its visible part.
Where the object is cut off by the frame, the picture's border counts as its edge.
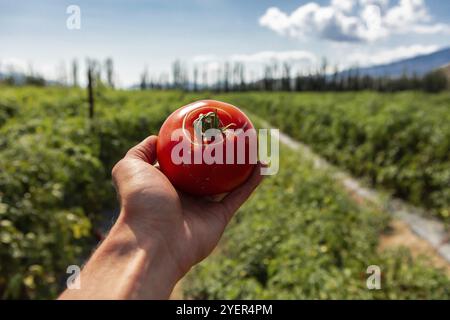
(210, 120)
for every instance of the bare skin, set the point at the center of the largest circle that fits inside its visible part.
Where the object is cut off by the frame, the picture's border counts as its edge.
(159, 235)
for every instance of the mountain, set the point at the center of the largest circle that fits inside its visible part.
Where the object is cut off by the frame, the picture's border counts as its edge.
(419, 65)
(18, 77)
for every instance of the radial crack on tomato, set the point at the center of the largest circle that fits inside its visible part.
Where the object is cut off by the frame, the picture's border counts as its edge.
(205, 135)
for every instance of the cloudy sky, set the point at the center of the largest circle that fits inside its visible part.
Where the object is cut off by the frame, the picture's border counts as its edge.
(153, 33)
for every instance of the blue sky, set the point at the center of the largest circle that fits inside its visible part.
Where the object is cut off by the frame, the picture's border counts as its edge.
(207, 32)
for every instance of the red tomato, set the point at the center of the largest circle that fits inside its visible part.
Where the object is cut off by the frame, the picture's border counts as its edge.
(207, 178)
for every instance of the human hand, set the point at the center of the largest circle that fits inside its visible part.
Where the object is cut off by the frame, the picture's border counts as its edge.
(189, 226)
(160, 233)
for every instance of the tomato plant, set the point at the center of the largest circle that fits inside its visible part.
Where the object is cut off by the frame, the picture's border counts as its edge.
(208, 165)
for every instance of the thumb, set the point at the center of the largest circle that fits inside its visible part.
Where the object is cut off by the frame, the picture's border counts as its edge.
(145, 150)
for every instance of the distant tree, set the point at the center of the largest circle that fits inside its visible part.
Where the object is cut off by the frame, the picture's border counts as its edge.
(34, 80)
(90, 86)
(61, 73)
(334, 85)
(226, 77)
(242, 84)
(9, 78)
(195, 78)
(416, 82)
(367, 83)
(268, 78)
(109, 66)
(218, 86)
(286, 80)
(166, 80)
(298, 82)
(97, 71)
(184, 77)
(356, 79)
(205, 78)
(177, 74)
(435, 81)
(144, 80)
(322, 76)
(75, 73)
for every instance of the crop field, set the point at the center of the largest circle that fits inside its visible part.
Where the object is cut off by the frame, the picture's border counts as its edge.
(399, 142)
(299, 236)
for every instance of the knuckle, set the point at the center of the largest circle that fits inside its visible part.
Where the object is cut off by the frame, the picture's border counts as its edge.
(116, 169)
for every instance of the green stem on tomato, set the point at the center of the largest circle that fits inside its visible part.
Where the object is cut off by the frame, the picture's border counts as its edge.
(209, 120)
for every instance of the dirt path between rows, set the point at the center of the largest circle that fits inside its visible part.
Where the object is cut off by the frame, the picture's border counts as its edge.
(400, 235)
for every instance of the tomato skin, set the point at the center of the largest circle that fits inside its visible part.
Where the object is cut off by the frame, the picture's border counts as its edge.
(203, 179)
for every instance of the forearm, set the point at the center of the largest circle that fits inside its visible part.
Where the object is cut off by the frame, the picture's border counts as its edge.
(127, 267)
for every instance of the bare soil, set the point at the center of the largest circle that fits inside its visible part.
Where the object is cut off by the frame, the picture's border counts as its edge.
(400, 235)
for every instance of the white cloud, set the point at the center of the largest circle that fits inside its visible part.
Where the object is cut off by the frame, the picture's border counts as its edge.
(205, 58)
(383, 4)
(432, 29)
(280, 56)
(343, 5)
(368, 58)
(353, 20)
(262, 57)
(406, 14)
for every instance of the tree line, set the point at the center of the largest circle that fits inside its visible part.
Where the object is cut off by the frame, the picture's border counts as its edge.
(236, 76)
(280, 77)
(101, 72)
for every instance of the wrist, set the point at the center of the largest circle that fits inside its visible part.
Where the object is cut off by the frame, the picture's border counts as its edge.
(127, 266)
(151, 272)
